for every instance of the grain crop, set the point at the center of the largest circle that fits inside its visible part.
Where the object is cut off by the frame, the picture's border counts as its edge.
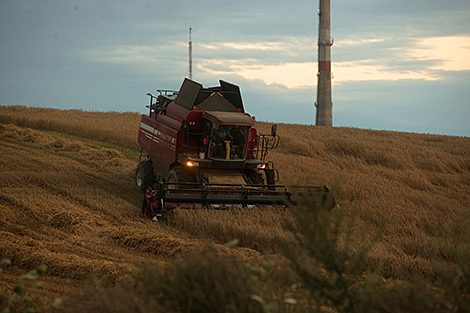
(67, 201)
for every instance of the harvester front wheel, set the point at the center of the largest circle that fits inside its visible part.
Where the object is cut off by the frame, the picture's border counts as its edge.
(144, 176)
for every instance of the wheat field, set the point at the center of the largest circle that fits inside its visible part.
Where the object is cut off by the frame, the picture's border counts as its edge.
(67, 201)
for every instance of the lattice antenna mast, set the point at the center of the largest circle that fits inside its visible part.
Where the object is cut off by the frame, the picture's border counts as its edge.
(190, 47)
(324, 104)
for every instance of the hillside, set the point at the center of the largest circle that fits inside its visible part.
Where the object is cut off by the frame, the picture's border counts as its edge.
(68, 201)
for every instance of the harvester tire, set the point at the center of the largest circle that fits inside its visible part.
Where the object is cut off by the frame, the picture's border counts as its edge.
(179, 174)
(144, 176)
(253, 177)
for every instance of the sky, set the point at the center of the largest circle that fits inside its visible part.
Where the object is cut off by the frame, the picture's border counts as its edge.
(397, 65)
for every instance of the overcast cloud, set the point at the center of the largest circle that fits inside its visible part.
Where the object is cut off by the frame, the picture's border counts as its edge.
(397, 65)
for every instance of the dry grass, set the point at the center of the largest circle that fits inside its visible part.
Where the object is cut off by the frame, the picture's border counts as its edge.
(411, 188)
(262, 229)
(110, 127)
(72, 207)
(67, 199)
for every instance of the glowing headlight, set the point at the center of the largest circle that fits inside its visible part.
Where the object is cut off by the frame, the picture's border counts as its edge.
(192, 164)
(261, 166)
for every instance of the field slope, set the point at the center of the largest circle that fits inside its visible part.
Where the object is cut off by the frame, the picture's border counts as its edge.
(67, 200)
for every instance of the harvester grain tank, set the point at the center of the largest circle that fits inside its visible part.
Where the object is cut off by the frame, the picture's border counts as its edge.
(196, 133)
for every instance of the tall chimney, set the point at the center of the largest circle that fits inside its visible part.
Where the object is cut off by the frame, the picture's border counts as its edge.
(324, 104)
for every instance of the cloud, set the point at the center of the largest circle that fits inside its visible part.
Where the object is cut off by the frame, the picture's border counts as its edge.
(418, 60)
(263, 46)
(130, 54)
(358, 42)
(291, 75)
(367, 70)
(451, 53)
(301, 75)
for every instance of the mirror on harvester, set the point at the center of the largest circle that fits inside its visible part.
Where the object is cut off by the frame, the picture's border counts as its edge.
(185, 126)
(274, 130)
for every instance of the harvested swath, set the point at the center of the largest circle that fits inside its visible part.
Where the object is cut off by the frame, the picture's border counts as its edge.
(60, 206)
(261, 229)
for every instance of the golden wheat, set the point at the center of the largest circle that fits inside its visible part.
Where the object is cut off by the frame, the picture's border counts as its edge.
(67, 197)
(111, 127)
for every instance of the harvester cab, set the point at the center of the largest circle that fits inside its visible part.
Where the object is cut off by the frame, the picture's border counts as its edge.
(195, 133)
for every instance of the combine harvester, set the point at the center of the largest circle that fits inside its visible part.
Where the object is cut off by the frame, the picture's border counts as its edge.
(195, 134)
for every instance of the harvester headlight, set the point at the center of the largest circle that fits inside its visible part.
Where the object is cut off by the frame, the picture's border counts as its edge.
(192, 164)
(261, 166)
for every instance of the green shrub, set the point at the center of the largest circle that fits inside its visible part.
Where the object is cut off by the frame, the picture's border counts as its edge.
(21, 297)
(206, 282)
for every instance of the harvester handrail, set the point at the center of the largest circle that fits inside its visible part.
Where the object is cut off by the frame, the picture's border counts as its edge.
(166, 91)
(265, 143)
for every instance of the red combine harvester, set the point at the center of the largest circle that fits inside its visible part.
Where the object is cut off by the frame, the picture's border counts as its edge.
(197, 133)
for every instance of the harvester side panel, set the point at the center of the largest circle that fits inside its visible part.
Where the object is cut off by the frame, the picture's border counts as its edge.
(177, 112)
(146, 136)
(159, 139)
(169, 129)
(180, 114)
(186, 144)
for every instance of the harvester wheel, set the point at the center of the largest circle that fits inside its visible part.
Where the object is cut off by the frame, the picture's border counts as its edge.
(253, 177)
(144, 176)
(179, 174)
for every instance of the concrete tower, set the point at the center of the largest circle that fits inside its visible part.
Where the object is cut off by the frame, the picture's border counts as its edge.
(324, 104)
(190, 47)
